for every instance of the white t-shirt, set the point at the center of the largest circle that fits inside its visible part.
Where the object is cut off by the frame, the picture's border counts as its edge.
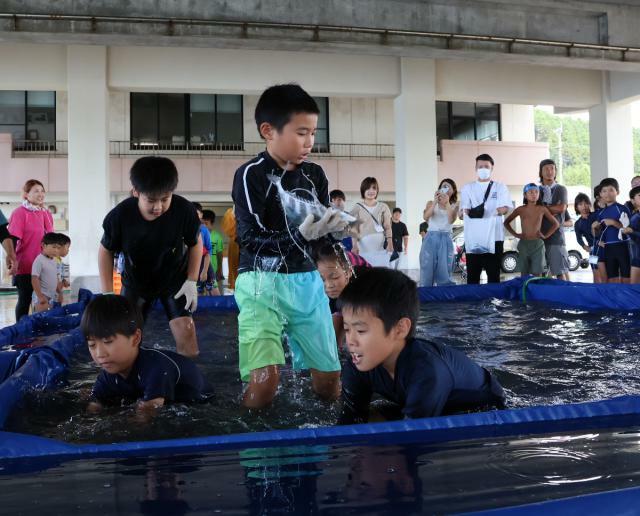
(473, 194)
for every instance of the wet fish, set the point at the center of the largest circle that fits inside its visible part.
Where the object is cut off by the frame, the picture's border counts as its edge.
(296, 208)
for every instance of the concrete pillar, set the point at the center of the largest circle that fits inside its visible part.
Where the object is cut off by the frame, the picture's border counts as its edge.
(416, 160)
(88, 109)
(611, 141)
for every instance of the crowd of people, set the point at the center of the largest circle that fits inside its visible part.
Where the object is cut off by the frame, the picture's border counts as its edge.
(326, 284)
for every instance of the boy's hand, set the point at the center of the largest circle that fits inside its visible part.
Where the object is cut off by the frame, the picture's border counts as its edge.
(42, 299)
(189, 290)
(627, 231)
(331, 222)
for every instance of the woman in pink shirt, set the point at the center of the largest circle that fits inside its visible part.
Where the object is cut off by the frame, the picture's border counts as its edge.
(28, 223)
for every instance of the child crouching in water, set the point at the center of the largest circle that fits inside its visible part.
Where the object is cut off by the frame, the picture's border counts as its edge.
(337, 267)
(112, 326)
(531, 258)
(424, 378)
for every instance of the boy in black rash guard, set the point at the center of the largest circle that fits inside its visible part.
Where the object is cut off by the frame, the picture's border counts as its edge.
(278, 288)
(158, 233)
(112, 326)
(380, 309)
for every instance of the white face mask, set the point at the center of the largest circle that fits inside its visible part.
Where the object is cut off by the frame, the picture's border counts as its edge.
(483, 173)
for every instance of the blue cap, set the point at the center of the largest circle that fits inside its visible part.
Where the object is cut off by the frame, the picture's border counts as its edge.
(529, 186)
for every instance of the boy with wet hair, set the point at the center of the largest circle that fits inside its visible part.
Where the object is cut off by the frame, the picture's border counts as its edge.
(278, 289)
(531, 255)
(424, 378)
(610, 220)
(158, 234)
(112, 326)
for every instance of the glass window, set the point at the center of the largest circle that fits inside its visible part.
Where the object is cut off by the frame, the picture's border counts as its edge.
(41, 116)
(322, 130)
(29, 116)
(202, 119)
(467, 121)
(171, 119)
(144, 118)
(181, 120)
(229, 120)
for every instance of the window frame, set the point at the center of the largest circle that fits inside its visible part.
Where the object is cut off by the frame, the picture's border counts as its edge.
(25, 124)
(475, 119)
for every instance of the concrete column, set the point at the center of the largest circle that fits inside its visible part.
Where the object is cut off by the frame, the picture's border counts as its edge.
(611, 141)
(416, 160)
(88, 109)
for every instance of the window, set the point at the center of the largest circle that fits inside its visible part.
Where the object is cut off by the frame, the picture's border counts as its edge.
(182, 121)
(30, 117)
(467, 121)
(322, 130)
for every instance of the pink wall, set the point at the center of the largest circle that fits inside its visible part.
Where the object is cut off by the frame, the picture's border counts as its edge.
(516, 164)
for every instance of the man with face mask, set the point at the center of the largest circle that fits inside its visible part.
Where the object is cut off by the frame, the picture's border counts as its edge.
(554, 196)
(483, 203)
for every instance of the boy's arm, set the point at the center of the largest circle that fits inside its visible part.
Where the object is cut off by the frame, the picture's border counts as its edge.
(356, 396)
(94, 407)
(150, 406)
(507, 222)
(195, 260)
(105, 267)
(35, 283)
(554, 224)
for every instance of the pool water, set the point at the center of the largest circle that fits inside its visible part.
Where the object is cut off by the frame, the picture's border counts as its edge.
(391, 479)
(541, 355)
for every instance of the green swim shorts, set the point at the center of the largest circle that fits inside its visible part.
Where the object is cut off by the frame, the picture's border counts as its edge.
(531, 256)
(272, 304)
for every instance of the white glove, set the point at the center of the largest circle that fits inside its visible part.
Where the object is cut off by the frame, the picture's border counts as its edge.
(624, 220)
(331, 222)
(189, 290)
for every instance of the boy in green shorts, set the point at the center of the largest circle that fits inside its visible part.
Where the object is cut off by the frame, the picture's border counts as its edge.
(531, 257)
(278, 288)
(217, 245)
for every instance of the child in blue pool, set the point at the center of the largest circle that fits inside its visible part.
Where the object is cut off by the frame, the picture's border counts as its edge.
(112, 326)
(424, 378)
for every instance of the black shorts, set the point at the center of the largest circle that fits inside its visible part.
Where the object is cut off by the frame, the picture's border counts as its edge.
(174, 308)
(617, 260)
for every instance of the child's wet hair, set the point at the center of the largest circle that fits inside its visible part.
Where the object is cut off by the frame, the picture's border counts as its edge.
(279, 103)
(389, 294)
(154, 175)
(325, 250)
(610, 181)
(109, 315)
(633, 192)
(50, 239)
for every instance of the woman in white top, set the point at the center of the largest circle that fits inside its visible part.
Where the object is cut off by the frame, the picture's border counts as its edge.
(373, 238)
(436, 253)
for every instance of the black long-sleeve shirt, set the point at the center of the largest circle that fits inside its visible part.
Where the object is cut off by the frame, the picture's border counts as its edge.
(267, 241)
(431, 379)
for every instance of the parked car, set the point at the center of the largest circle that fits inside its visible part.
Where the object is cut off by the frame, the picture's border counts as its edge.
(578, 257)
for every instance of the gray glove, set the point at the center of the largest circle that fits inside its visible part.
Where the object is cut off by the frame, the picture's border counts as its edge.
(331, 222)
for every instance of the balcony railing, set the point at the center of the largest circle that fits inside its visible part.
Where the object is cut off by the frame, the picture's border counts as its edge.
(60, 148)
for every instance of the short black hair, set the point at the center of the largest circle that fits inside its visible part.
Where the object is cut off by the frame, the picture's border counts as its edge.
(50, 239)
(197, 206)
(367, 183)
(397, 210)
(337, 194)
(389, 294)
(581, 197)
(596, 191)
(610, 181)
(544, 163)
(209, 215)
(153, 175)
(109, 315)
(634, 191)
(324, 249)
(485, 157)
(279, 103)
(63, 239)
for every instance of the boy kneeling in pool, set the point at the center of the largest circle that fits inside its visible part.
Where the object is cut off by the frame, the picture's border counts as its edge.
(380, 309)
(112, 326)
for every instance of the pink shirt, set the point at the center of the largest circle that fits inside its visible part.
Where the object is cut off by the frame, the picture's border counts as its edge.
(29, 227)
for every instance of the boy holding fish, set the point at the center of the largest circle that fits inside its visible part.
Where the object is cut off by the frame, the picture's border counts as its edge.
(281, 205)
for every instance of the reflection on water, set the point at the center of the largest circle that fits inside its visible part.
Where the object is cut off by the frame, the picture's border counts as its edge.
(384, 479)
(540, 355)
